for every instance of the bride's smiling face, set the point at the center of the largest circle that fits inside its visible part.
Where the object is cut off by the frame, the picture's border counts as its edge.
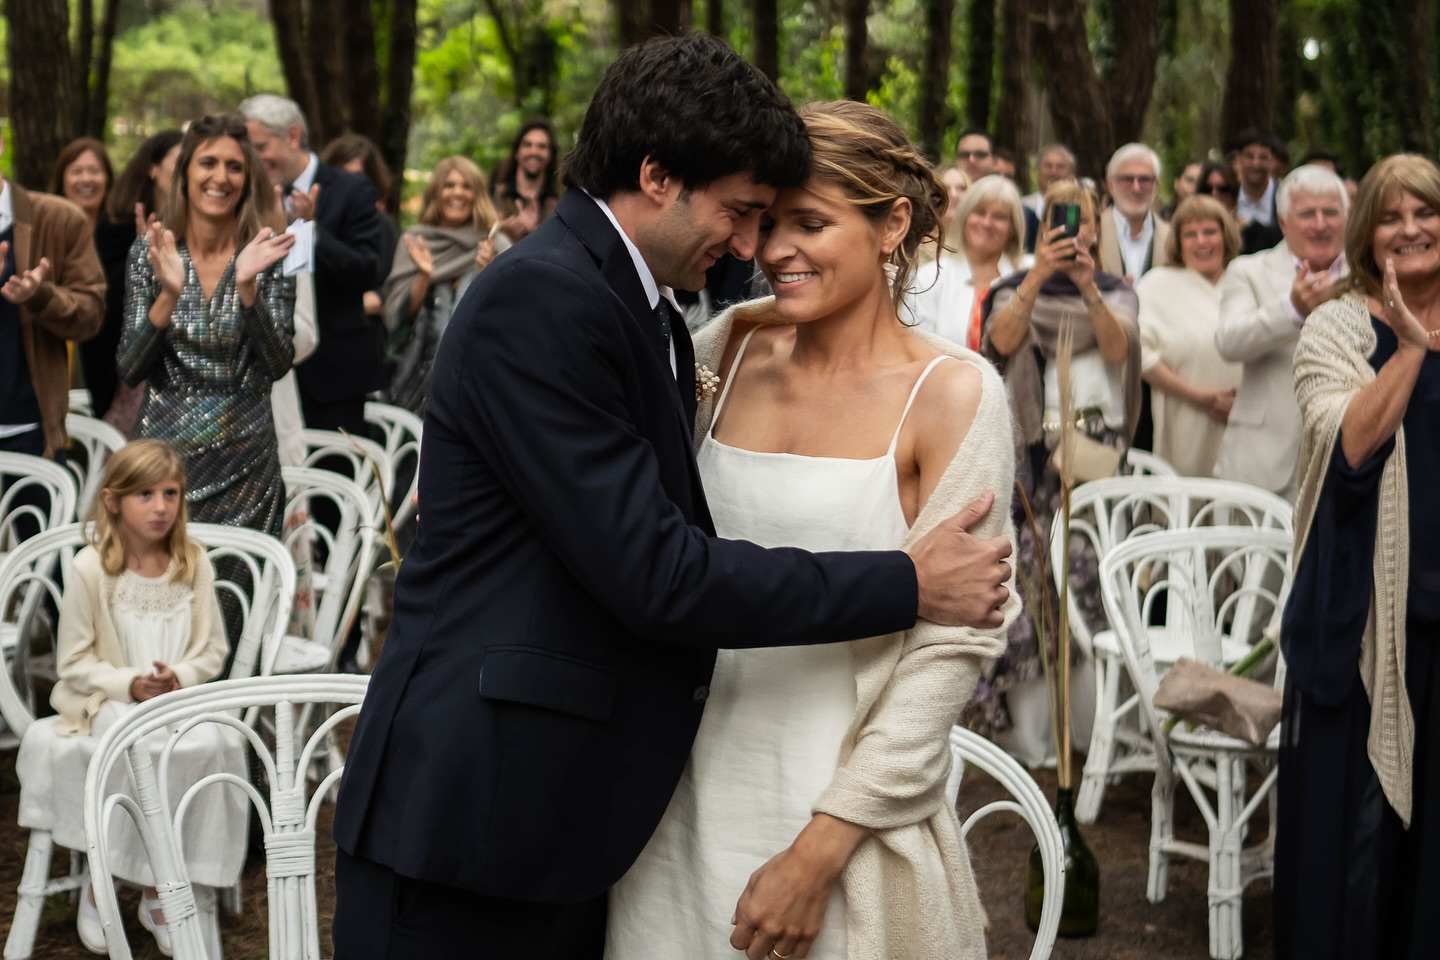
(820, 253)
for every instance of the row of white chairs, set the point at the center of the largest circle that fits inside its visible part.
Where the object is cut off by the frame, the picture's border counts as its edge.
(1191, 567)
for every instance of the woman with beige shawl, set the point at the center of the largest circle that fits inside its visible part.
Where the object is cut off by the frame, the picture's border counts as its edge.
(1357, 861)
(811, 820)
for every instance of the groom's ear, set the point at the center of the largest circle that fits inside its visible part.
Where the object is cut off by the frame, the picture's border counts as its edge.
(657, 183)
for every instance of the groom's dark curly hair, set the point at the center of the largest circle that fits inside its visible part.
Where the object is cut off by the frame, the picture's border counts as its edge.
(696, 107)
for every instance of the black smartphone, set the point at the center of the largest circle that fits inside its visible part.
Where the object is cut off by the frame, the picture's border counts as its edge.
(1067, 217)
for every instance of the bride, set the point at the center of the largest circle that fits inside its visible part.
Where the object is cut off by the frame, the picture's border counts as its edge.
(812, 818)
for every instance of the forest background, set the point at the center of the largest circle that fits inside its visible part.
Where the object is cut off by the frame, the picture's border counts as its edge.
(428, 78)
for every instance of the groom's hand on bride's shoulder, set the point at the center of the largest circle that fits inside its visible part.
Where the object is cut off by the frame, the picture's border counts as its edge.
(962, 576)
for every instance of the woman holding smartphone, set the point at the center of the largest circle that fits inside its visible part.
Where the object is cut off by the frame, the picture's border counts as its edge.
(1021, 333)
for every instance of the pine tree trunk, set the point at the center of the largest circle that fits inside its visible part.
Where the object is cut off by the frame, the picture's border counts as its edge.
(1131, 82)
(1416, 19)
(364, 71)
(1250, 78)
(1078, 108)
(99, 111)
(857, 81)
(766, 29)
(325, 47)
(399, 79)
(981, 69)
(715, 18)
(84, 55)
(634, 22)
(935, 76)
(1012, 126)
(289, 19)
(42, 86)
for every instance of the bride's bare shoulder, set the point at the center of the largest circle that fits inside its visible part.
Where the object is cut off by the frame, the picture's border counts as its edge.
(945, 408)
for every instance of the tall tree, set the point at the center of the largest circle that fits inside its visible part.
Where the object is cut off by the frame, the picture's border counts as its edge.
(1093, 115)
(1250, 80)
(978, 78)
(534, 52)
(766, 30)
(98, 102)
(42, 86)
(1012, 128)
(639, 20)
(330, 51)
(857, 79)
(935, 75)
(715, 18)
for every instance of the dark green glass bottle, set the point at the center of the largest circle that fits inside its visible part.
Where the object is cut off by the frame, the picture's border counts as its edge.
(1081, 913)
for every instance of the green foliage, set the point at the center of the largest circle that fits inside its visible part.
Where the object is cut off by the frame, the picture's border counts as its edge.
(187, 63)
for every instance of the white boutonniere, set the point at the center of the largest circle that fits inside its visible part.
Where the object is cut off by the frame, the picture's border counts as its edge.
(706, 382)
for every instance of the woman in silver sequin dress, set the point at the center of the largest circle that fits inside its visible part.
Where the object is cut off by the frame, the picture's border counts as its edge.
(209, 320)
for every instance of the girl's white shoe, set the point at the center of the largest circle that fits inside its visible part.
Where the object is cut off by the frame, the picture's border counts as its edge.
(159, 930)
(87, 921)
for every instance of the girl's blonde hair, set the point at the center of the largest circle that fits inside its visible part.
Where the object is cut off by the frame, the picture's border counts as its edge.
(866, 154)
(482, 215)
(138, 465)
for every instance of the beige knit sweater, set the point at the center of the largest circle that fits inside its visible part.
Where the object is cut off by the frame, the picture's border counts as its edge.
(1331, 366)
(909, 891)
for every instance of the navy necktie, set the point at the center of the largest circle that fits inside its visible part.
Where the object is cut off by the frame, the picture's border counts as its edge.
(662, 319)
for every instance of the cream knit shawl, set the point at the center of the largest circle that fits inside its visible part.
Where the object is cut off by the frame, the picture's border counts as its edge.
(909, 891)
(1331, 366)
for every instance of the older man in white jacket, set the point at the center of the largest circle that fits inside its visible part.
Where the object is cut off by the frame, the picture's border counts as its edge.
(1265, 299)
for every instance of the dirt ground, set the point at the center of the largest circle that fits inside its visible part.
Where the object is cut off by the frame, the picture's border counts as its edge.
(1131, 928)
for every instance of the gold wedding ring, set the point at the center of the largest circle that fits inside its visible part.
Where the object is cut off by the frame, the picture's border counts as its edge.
(779, 956)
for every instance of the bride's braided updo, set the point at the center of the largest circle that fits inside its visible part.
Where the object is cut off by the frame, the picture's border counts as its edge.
(862, 151)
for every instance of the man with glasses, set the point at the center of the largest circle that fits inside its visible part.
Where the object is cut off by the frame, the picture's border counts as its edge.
(1253, 159)
(975, 157)
(1134, 239)
(1055, 162)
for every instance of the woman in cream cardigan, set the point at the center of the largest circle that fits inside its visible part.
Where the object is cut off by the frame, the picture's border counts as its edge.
(811, 819)
(1357, 861)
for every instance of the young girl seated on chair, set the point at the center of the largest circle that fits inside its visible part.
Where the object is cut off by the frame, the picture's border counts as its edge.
(138, 619)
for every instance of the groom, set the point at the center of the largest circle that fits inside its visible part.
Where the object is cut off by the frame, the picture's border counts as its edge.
(556, 622)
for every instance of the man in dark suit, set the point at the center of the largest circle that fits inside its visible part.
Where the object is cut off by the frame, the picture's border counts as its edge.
(556, 622)
(346, 365)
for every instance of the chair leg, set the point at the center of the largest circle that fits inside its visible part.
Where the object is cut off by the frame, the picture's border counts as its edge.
(1225, 891)
(31, 896)
(1102, 740)
(208, 919)
(1162, 830)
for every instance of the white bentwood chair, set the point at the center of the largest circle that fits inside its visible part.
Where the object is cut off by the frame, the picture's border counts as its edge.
(402, 431)
(262, 584)
(347, 455)
(35, 493)
(1105, 513)
(287, 816)
(1029, 803)
(92, 443)
(1194, 573)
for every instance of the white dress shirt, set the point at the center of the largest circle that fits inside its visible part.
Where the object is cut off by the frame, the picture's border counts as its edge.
(1134, 251)
(653, 291)
(1260, 211)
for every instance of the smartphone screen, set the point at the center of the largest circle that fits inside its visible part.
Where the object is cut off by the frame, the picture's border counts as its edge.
(1066, 215)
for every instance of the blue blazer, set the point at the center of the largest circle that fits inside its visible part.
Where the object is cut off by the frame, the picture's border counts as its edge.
(556, 620)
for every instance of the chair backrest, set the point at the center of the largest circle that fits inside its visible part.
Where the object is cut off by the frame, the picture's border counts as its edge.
(35, 494)
(1109, 511)
(1143, 463)
(255, 575)
(347, 455)
(402, 432)
(80, 402)
(92, 443)
(341, 542)
(32, 582)
(1212, 579)
(287, 816)
(1029, 803)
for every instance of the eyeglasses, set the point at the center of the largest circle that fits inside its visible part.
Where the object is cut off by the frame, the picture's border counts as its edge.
(972, 154)
(1135, 179)
(1217, 188)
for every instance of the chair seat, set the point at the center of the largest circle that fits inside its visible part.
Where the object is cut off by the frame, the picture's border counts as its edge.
(1203, 738)
(298, 655)
(1167, 646)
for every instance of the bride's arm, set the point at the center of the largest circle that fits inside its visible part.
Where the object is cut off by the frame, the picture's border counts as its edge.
(900, 757)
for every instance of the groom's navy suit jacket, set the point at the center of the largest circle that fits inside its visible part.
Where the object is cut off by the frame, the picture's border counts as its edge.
(556, 621)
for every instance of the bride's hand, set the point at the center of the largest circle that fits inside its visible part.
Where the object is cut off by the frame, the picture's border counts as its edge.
(783, 905)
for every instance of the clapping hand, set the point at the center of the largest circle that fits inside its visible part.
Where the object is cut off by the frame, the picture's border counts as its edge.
(1312, 289)
(1408, 330)
(419, 252)
(484, 253)
(22, 285)
(164, 259)
(142, 222)
(301, 204)
(265, 249)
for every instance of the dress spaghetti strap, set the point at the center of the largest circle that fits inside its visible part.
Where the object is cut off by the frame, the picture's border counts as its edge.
(729, 380)
(908, 403)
